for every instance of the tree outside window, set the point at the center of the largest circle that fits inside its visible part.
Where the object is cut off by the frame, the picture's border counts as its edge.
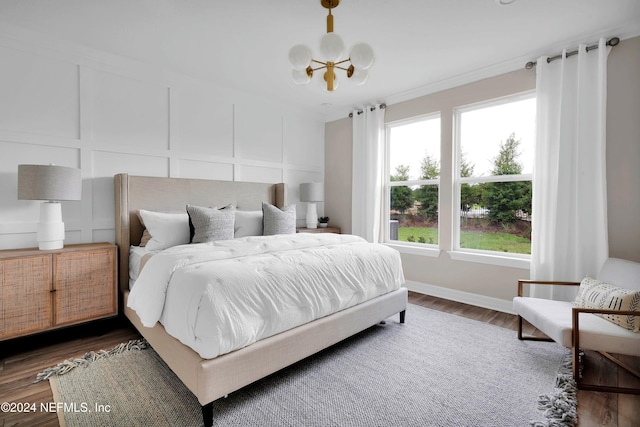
(402, 198)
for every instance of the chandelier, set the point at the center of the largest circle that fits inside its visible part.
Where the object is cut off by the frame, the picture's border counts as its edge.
(332, 49)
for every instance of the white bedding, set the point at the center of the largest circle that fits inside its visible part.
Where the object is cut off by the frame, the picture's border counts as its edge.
(221, 296)
(137, 255)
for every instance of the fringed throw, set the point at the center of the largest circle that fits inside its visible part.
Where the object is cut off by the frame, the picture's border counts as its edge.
(84, 361)
(560, 408)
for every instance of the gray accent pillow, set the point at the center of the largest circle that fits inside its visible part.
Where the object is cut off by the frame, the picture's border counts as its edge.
(211, 224)
(278, 221)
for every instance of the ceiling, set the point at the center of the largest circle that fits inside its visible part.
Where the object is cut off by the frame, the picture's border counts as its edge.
(243, 44)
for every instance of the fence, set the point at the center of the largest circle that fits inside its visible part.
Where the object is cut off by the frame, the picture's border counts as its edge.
(482, 213)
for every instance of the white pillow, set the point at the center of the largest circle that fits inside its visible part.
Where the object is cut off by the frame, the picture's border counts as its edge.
(248, 223)
(278, 221)
(167, 229)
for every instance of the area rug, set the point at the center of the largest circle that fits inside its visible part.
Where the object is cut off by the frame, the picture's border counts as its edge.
(436, 369)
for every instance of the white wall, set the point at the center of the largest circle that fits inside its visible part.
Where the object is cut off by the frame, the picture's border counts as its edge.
(70, 106)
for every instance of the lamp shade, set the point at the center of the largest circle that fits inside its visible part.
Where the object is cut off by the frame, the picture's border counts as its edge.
(49, 182)
(312, 192)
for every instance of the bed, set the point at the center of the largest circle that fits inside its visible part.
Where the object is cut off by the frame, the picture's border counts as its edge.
(212, 378)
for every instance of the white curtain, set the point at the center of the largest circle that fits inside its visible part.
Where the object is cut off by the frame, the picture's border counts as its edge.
(569, 229)
(367, 181)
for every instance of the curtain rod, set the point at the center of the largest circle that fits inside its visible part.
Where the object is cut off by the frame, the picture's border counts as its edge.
(611, 42)
(382, 106)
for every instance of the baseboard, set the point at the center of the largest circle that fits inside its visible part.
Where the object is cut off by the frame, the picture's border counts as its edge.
(460, 296)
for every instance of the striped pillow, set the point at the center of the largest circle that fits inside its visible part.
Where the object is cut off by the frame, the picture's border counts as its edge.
(601, 295)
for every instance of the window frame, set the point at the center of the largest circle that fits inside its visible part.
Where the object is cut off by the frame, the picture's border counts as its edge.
(508, 259)
(415, 248)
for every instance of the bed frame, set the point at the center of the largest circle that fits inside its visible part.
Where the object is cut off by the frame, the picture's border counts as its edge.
(211, 379)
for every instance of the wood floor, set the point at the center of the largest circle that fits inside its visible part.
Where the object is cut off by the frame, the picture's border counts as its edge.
(22, 359)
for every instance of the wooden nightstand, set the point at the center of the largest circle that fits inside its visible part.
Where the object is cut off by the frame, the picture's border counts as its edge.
(44, 290)
(318, 230)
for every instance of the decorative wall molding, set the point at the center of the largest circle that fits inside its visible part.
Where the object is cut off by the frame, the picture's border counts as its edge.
(126, 116)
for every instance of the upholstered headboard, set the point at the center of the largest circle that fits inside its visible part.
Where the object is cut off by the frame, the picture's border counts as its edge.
(133, 193)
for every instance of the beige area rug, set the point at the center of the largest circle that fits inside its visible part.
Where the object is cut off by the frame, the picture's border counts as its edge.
(134, 388)
(435, 370)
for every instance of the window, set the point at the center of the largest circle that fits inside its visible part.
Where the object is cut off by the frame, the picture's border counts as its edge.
(493, 172)
(413, 168)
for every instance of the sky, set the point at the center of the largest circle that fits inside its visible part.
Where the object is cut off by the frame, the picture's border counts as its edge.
(482, 130)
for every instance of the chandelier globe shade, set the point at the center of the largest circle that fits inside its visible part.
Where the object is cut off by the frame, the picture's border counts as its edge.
(324, 81)
(361, 56)
(359, 77)
(300, 77)
(300, 57)
(332, 49)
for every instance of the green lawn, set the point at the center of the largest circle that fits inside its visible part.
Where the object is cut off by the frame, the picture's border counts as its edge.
(488, 241)
(430, 234)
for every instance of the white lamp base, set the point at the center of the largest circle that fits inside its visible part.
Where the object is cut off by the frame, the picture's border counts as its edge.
(50, 227)
(312, 216)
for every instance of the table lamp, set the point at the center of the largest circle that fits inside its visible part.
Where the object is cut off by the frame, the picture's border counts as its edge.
(52, 184)
(312, 192)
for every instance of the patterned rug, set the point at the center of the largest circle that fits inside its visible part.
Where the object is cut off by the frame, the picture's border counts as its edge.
(435, 370)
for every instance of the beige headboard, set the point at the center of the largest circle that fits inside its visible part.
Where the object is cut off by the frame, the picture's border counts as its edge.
(133, 193)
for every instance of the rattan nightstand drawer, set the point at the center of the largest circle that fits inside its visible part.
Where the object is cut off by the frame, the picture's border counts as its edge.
(42, 290)
(25, 299)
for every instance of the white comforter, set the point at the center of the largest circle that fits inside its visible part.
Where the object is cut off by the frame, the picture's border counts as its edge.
(221, 296)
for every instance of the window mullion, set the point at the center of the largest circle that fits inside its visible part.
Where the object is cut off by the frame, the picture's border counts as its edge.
(413, 183)
(493, 178)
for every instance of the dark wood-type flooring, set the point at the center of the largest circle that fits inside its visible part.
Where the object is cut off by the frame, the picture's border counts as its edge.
(21, 359)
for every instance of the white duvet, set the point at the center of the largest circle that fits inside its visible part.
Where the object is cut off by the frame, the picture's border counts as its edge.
(221, 296)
